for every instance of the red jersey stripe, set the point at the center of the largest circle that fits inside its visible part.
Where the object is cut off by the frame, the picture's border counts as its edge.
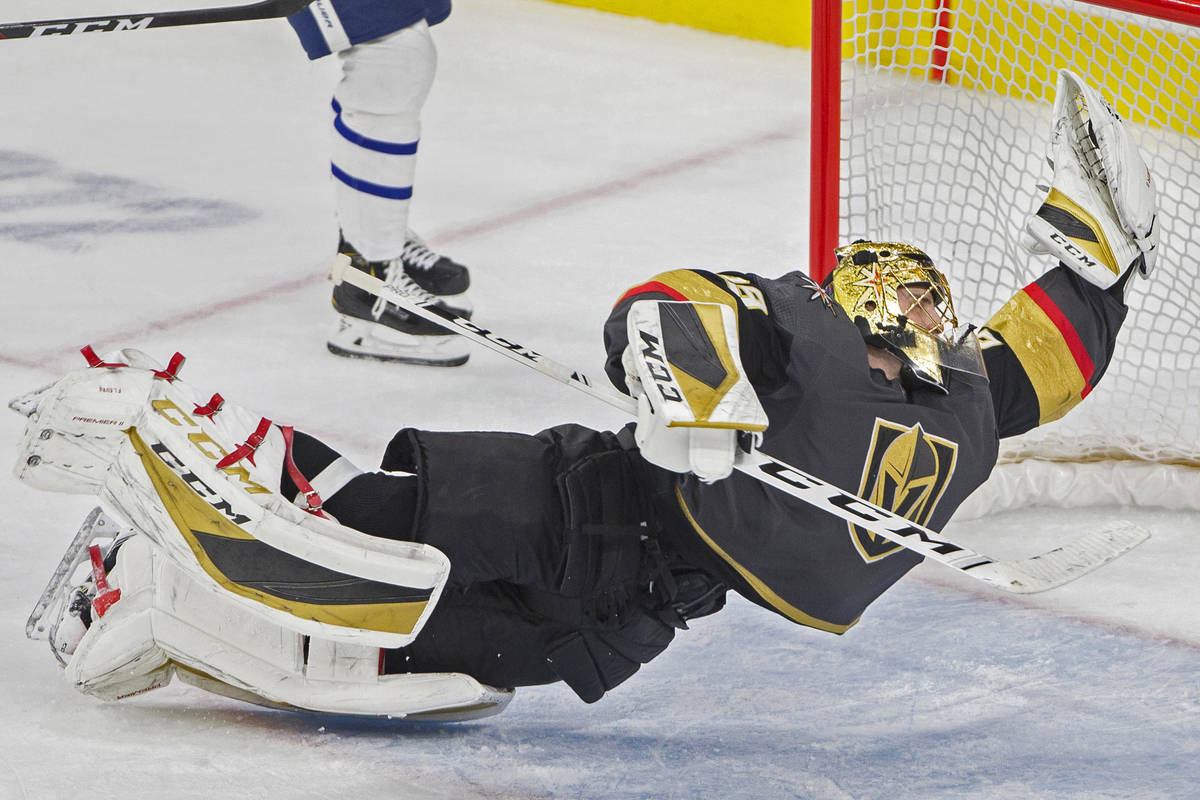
(1082, 359)
(650, 287)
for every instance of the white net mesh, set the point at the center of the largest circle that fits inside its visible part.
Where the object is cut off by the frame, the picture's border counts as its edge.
(953, 167)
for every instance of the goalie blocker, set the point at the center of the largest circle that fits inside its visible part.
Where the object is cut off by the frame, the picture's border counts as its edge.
(682, 365)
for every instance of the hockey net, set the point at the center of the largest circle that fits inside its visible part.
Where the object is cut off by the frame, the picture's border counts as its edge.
(931, 123)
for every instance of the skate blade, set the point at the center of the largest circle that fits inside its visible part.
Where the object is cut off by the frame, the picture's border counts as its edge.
(96, 526)
(397, 358)
(356, 338)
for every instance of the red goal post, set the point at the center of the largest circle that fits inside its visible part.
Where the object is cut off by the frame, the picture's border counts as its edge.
(930, 120)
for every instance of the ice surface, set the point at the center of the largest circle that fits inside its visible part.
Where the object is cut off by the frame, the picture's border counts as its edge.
(168, 190)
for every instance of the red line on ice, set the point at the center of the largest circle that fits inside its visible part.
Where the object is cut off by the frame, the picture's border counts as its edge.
(541, 208)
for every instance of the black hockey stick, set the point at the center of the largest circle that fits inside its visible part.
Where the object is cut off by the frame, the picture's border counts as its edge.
(1025, 576)
(264, 9)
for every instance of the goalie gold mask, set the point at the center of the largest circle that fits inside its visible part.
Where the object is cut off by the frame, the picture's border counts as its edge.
(902, 303)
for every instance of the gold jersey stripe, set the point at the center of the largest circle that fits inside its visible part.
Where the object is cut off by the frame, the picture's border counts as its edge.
(696, 287)
(1044, 354)
(190, 512)
(764, 591)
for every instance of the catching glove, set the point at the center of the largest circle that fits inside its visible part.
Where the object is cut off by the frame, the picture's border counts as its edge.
(682, 365)
(1099, 217)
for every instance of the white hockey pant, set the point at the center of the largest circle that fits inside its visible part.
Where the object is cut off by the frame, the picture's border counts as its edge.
(376, 130)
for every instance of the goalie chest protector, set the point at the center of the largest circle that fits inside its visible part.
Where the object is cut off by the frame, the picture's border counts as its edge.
(918, 453)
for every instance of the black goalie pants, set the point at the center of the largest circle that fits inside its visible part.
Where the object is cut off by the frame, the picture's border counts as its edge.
(555, 573)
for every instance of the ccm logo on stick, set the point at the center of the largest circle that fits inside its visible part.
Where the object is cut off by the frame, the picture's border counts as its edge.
(104, 25)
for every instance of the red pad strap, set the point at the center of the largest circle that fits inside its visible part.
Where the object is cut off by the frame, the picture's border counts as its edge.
(246, 449)
(212, 407)
(94, 360)
(172, 371)
(168, 374)
(105, 596)
(312, 500)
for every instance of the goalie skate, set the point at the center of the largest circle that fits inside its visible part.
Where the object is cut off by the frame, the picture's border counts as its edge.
(69, 593)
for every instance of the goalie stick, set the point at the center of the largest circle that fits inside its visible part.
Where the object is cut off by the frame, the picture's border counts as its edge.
(264, 9)
(1024, 576)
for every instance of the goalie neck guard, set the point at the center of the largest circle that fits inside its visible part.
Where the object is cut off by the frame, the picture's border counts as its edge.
(902, 304)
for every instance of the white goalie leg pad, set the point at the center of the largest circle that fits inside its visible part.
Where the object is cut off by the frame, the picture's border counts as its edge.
(199, 476)
(168, 622)
(683, 365)
(1099, 217)
(175, 484)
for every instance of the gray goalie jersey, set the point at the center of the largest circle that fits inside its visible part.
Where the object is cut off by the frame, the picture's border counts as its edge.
(916, 450)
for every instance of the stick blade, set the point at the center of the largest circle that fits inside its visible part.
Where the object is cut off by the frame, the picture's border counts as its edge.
(1063, 564)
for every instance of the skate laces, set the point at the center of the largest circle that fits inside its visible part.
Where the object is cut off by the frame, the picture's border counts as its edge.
(398, 279)
(417, 256)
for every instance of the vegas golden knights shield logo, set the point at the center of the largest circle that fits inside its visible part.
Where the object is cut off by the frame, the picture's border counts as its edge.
(907, 471)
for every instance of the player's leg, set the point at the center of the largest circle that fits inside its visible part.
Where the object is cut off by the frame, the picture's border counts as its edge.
(388, 63)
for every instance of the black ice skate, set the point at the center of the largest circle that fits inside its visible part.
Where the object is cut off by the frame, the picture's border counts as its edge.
(371, 328)
(435, 273)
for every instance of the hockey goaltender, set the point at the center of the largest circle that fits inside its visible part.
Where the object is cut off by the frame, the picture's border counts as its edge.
(249, 558)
